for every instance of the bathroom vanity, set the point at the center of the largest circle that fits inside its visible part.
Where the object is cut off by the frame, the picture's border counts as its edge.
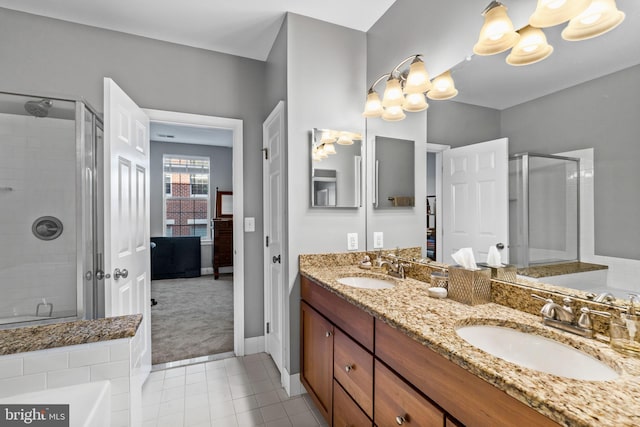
(392, 357)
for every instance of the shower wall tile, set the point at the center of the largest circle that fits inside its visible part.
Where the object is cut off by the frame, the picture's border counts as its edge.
(90, 356)
(37, 159)
(68, 377)
(23, 384)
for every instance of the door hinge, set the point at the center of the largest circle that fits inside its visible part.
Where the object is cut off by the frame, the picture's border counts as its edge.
(268, 327)
(266, 153)
(266, 241)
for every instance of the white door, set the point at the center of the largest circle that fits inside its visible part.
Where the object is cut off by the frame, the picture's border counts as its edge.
(475, 199)
(275, 258)
(126, 146)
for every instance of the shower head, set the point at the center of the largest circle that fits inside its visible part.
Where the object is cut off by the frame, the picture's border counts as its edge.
(38, 108)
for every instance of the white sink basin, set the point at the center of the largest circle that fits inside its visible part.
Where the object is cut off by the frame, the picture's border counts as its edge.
(536, 352)
(365, 282)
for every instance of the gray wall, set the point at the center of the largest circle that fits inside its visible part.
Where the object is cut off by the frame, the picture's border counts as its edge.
(326, 68)
(221, 161)
(602, 114)
(457, 124)
(42, 55)
(276, 70)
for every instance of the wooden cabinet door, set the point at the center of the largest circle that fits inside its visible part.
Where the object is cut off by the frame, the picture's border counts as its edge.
(345, 411)
(317, 358)
(397, 403)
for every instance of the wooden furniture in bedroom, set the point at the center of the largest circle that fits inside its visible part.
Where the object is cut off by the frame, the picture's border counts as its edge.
(222, 232)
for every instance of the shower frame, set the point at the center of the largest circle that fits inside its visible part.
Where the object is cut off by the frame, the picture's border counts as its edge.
(524, 243)
(89, 209)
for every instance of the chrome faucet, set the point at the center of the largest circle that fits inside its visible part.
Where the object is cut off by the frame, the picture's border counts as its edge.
(395, 267)
(603, 297)
(562, 316)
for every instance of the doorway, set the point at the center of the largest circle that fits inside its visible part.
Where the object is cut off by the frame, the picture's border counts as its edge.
(229, 288)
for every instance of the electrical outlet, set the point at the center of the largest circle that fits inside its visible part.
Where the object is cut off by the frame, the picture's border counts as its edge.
(249, 224)
(352, 241)
(378, 240)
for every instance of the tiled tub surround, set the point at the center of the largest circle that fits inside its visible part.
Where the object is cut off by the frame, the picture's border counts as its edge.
(432, 322)
(44, 357)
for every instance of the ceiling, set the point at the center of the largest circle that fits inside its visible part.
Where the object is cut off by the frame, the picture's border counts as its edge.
(245, 28)
(490, 82)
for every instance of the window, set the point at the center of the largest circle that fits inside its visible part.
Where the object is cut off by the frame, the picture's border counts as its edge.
(186, 196)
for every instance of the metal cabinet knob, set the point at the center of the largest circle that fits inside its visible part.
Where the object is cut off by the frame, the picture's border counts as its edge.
(117, 273)
(400, 419)
(327, 334)
(348, 368)
(500, 246)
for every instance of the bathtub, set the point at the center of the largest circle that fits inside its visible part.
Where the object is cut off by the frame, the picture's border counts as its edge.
(89, 404)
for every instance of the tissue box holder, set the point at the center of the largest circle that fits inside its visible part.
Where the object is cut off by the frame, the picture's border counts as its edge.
(506, 273)
(470, 287)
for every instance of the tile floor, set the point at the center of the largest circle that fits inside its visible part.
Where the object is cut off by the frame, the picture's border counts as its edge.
(239, 391)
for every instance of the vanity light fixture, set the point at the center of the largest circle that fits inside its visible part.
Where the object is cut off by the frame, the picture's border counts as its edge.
(531, 48)
(418, 79)
(393, 114)
(497, 33)
(553, 12)
(393, 95)
(347, 138)
(600, 17)
(443, 87)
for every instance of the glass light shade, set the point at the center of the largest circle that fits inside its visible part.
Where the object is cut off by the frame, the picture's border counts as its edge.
(602, 16)
(392, 93)
(345, 139)
(443, 87)
(329, 148)
(321, 153)
(414, 102)
(553, 12)
(497, 33)
(393, 114)
(418, 78)
(315, 156)
(327, 136)
(373, 106)
(532, 47)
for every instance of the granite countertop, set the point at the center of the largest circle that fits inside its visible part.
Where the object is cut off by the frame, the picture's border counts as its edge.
(432, 322)
(547, 270)
(32, 338)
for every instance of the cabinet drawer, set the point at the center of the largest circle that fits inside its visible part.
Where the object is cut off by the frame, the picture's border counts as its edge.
(468, 398)
(351, 319)
(353, 368)
(345, 412)
(398, 404)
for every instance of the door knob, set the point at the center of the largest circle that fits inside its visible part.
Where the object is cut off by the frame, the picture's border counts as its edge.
(117, 273)
(276, 259)
(500, 246)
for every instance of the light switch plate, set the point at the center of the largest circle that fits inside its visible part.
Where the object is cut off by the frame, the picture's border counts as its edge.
(352, 241)
(378, 242)
(249, 224)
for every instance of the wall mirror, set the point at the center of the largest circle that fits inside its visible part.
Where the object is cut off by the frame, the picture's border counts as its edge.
(394, 177)
(224, 204)
(336, 169)
(583, 102)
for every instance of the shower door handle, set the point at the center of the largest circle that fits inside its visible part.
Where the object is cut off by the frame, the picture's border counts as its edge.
(500, 246)
(100, 275)
(117, 273)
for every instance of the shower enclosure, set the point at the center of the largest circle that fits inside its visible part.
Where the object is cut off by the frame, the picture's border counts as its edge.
(543, 209)
(49, 222)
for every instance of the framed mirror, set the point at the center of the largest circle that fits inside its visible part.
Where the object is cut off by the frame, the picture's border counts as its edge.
(224, 204)
(394, 173)
(336, 169)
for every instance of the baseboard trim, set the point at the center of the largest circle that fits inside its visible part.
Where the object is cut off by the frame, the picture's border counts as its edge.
(254, 345)
(206, 271)
(292, 384)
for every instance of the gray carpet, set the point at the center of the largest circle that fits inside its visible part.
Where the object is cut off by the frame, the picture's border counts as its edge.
(193, 317)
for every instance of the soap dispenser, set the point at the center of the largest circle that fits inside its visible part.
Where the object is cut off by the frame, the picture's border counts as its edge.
(625, 330)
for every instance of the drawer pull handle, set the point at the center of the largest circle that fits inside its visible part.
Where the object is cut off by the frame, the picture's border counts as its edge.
(348, 368)
(400, 419)
(327, 334)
